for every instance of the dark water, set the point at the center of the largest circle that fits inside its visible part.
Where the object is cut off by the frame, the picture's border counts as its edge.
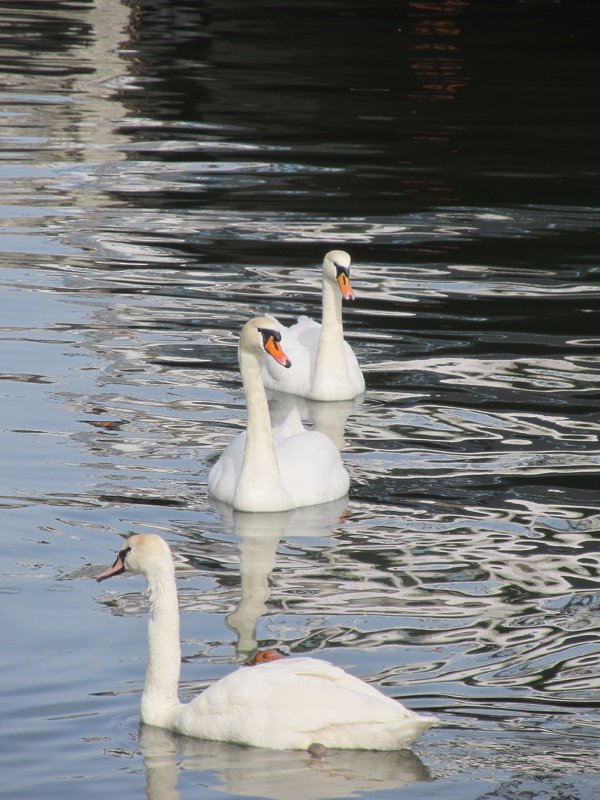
(170, 169)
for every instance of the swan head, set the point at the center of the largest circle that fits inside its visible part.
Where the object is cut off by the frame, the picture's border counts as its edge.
(261, 335)
(145, 553)
(336, 268)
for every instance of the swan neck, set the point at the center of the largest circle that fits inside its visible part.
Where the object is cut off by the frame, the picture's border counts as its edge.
(159, 697)
(331, 318)
(258, 428)
(260, 478)
(330, 362)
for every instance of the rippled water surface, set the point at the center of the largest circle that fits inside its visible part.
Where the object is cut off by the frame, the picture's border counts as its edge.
(169, 169)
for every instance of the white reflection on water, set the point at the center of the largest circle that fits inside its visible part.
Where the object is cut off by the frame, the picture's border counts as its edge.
(259, 536)
(280, 775)
(525, 374)
(329, 418)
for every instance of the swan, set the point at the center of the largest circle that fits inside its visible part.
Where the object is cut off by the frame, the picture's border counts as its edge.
(324, 366)
(273, 470)
(285, 704)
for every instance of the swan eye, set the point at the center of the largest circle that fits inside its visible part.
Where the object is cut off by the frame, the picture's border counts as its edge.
(339, 270)
(269, 334)
(120, 560)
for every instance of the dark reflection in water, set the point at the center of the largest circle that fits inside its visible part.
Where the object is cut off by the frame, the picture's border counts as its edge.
(358, 95)
(169, 169)
(434, 49)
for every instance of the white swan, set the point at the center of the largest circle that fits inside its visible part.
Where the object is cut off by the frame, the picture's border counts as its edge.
(273, 470)
(288, 704)
(324, 366)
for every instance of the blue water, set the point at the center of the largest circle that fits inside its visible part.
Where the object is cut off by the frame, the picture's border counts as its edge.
(170, 169)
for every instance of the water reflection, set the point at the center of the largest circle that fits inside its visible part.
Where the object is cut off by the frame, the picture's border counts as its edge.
(280, 775)
(434, 50)
(329, 418)
(259, 535)
(167, 167)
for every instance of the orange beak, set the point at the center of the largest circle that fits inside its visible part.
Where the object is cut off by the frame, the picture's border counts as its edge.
(275, 350)
(345, 287)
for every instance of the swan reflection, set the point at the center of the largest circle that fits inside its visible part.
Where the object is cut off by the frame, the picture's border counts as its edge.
(328, 418)
(259, 535)
(275, 774)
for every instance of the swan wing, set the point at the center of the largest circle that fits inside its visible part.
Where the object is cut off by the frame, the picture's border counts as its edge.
(311, 468)
(224, 476)
(307, 331)
(309, 463)
(292, 703)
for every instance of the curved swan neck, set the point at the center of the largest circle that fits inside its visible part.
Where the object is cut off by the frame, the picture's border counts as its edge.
(330, 363)
(259, 437)
(164, 649)
(331, 317)
(260, 468)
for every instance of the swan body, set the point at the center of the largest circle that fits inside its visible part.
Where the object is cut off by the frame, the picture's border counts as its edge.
(273, 470)
(324, 366)
(286, 704)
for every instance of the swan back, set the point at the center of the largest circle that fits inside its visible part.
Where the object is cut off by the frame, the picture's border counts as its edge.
(292, 703)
